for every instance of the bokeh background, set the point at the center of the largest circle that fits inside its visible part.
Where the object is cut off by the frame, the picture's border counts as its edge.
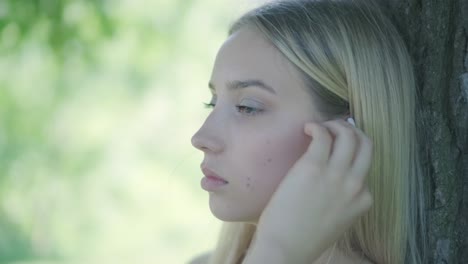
(98, 101)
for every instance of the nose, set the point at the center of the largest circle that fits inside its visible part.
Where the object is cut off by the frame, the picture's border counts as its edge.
(207, 139)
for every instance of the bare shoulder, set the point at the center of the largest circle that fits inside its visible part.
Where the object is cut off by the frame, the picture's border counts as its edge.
(201, 259)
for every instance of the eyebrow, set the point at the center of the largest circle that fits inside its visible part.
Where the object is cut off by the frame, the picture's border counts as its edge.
(235, 85)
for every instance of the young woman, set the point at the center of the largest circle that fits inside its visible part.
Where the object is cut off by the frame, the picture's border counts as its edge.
(293, 181)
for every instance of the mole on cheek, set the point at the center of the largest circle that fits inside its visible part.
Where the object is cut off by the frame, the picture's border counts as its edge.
(267, 161)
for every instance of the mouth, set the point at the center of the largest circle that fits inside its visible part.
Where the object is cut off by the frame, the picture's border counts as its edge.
(212, 181)
(212, 175)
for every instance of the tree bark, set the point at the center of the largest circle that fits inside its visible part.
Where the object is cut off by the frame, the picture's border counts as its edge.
(436, 32)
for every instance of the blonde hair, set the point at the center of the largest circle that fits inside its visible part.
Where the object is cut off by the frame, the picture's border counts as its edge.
(354, 62)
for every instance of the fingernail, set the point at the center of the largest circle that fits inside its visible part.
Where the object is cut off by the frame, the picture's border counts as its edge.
(351, 121)
(308, 129)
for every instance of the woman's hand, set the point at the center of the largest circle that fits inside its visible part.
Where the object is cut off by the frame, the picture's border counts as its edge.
(322, 195)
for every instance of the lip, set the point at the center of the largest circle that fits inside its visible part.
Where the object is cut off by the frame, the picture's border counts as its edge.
(212, 175)
(212, 181)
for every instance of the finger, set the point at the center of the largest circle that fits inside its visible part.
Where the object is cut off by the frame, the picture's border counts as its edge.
(320, 146)
(363, 160)
(344, 145)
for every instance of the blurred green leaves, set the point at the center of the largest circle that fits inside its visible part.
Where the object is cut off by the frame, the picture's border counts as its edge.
(58, 23)
(98, 101)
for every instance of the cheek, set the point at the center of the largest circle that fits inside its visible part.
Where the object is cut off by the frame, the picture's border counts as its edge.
(271, 161)
(259, 165)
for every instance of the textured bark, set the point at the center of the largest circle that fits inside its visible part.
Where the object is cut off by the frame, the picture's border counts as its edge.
(436, 32)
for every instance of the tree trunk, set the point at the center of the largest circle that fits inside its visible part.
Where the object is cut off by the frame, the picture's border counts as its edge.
(436, 32)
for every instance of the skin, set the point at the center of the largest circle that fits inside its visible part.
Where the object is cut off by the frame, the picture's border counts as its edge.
(281, 160)
(253, 152)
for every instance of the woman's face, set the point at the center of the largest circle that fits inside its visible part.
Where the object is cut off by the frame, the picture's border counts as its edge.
(254, 133)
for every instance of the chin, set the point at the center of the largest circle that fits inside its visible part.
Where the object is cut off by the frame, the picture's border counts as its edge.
(231, 213)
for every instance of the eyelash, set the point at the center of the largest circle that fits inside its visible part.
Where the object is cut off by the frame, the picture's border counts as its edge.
(250, 111)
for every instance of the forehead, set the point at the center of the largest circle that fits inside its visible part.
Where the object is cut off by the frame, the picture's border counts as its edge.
(247, 55)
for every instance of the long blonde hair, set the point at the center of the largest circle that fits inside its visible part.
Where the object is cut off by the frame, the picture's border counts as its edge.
(354, 62)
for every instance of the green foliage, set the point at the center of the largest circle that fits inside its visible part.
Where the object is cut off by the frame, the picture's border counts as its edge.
(98, 100)
(59, 23)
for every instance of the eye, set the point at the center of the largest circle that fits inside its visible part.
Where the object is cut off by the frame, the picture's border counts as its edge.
(249, 107)
(248, 110)
(241, 108)
(211, 104)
